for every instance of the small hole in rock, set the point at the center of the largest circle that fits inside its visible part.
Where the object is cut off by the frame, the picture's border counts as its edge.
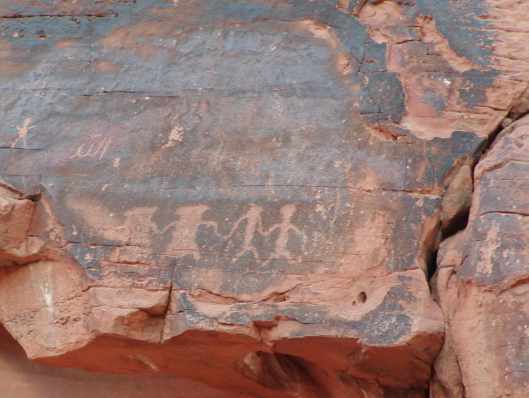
(362, 297)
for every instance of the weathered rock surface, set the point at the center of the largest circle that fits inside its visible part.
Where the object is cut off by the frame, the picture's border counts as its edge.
(483, 277)
(24, 379)
(250, 194)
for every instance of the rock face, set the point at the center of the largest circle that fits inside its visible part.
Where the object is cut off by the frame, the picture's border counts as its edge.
(482, 280)
(247, 197)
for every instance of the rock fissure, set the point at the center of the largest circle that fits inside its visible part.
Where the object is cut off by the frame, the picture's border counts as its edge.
(459, 189)
(494, 161)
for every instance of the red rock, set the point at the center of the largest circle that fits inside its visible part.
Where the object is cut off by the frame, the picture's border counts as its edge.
(249, 196)
(482, 289)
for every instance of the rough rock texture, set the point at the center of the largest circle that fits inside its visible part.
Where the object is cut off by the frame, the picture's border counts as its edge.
(250, 194)
(482, 280)
(23, 379)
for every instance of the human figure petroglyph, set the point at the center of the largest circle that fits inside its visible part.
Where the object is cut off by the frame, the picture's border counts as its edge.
(284, 228)
(22, 132)
(96, 147)
(254, 225)
(189, 219)
(141, 227)
(136, 226)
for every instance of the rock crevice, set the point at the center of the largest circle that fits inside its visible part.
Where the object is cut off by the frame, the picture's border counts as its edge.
(473, 284)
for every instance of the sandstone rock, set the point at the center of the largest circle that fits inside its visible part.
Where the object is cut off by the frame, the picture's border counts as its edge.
(16, 213)
(457, 199)
(250, 194)
(482, 289)
(24, 379)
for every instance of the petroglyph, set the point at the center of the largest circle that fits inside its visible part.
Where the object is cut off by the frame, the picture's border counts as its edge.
(185, 121)
(136, 226)
(284, 228)
(253, 225)
(140, 226)
(96, 147)
(175, 137)
(183, 239)
(22, 132)
(191, 218)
